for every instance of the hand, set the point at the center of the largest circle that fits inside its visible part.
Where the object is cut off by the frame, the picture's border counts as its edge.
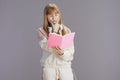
(59, 50)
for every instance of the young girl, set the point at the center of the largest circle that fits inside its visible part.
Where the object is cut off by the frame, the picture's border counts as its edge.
(55, 62)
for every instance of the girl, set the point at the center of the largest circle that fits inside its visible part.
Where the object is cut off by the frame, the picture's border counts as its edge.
(55, 62)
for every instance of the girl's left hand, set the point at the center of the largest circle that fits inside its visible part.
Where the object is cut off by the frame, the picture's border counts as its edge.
(59, 50)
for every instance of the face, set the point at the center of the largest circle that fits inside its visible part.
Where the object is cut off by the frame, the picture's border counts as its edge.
(53, 17)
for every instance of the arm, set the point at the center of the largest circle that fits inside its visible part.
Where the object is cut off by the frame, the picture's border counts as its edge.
(67, 53)
(43, 40)
(43, 45)
(41, 33)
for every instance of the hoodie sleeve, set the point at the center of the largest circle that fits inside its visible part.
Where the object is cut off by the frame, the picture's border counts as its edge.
(43, 40)
(68, 54)
(43, 45)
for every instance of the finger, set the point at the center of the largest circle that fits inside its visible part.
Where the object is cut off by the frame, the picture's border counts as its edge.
(55, 48)
(59, 53)
(59, 47)
(61, 50)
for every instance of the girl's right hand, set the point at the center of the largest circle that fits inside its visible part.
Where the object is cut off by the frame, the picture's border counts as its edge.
(59, 50)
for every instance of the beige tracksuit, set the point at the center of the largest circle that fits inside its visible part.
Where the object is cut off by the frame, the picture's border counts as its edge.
(56, 67)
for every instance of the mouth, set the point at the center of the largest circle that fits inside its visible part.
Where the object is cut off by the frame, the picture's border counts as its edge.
(53, 22)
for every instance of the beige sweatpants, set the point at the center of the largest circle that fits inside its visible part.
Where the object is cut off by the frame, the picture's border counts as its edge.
(57, 73)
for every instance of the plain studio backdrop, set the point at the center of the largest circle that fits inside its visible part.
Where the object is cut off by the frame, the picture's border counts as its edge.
(97, 39)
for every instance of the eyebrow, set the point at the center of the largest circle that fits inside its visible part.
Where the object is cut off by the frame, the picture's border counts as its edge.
(53, 11)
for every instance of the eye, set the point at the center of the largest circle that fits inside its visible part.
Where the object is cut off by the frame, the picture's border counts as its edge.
(49, 15)
(56, 14)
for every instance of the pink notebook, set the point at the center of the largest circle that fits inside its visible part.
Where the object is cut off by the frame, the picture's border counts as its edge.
(61, 41)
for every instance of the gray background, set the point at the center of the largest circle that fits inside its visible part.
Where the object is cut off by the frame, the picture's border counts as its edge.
(97, 40)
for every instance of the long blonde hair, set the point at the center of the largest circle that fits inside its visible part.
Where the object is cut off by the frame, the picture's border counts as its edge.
(48, 10)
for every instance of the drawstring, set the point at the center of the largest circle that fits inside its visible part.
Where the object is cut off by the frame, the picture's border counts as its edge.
(57, 74)
(75, 78)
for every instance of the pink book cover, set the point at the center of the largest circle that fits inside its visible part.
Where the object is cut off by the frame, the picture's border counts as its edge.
(61, 41)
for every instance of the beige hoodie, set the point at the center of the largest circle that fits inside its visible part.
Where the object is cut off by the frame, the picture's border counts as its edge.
(51, 58)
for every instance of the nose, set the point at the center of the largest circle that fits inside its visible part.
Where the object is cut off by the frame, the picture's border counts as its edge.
(53, 17)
